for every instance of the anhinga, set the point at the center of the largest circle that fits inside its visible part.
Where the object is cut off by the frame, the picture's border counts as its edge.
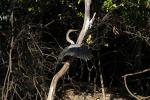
(81, 51)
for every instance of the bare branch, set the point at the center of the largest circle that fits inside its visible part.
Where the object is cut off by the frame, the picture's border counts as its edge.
(125, 82)
(86, 22)
(136, 73)
(79, 41)
(55, 79)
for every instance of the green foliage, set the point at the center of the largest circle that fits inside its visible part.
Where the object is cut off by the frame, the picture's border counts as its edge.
(80, 14)
(30, 9)
(141, 2)
(62, 1)
(108, 5)
(135, 14)
(79, 1)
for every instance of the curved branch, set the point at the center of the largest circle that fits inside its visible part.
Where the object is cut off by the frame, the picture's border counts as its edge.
(79, 41)
(126, 86)
(55, 79)
(125, 82)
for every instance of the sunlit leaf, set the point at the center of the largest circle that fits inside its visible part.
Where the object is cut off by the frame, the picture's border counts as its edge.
(108, 5)
(80, 14)
(79, 1)
(30, 9)
(89, 39)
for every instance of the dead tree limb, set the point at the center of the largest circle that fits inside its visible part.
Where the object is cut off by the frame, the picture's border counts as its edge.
(128, 90)
(55, 79)
(65, 67)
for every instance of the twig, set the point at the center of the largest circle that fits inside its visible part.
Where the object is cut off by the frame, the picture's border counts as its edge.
(125, 82)
(101, 81)
(6, 85)
(102, 85)
(10, 53)
(34, 82)
(140, 72)
(46, 25)
(7, 82)
(14, 87)
(54, 39)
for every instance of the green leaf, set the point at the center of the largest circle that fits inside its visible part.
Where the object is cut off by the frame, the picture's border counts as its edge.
(108, 5)
(79, 1)
(80, 14)
(30, 9)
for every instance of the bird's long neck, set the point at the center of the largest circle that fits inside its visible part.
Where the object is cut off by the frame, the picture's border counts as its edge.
(68, 38)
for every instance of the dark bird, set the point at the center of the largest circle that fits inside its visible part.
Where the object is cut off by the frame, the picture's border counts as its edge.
(81, 51)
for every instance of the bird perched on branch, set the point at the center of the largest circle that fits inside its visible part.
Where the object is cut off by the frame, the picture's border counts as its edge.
(81, 51)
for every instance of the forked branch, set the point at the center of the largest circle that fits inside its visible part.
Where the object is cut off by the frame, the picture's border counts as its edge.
(66, 65)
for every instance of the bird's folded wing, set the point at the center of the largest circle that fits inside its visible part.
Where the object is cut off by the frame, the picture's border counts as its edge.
(82, 52)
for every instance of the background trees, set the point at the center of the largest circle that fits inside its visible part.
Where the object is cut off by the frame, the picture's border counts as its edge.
(37, 28)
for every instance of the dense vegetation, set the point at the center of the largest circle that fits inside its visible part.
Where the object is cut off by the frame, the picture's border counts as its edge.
(32, 34)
